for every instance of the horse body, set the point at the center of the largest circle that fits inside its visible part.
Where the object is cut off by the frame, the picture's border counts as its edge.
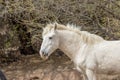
(103, 57)
(107, 55)
(90, 53)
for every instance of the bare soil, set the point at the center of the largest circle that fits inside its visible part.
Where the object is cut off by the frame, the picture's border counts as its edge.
(32, 67)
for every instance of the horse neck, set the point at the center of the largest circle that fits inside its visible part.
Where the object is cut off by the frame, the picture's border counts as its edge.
(69, 43)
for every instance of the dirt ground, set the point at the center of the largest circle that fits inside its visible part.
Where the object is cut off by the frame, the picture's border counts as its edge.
(32, 67)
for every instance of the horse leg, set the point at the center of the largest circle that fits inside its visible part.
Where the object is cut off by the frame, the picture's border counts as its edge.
(90, 74)
(83, 72)
(85, 77)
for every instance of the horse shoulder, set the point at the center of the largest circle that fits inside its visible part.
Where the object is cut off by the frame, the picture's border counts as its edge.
(91, 62)
(85, 58)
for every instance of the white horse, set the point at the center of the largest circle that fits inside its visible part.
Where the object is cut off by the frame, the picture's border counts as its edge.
(90, 53)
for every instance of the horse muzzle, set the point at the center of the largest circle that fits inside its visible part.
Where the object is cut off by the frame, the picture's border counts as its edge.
(44, 55)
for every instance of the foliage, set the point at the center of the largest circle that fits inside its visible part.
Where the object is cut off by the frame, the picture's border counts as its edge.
(96, 16)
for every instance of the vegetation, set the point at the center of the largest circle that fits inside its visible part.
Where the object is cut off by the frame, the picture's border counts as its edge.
(21, 21)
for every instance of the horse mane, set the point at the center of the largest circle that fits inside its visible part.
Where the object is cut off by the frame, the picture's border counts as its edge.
(84, 35)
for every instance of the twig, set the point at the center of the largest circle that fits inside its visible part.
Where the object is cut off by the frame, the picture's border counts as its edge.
(110, 12)
(115, 4)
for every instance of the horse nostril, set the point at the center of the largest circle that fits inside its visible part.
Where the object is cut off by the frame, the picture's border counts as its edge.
(44, 53)
(41, 52)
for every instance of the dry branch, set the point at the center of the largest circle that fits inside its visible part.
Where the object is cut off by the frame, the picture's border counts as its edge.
(111, 12)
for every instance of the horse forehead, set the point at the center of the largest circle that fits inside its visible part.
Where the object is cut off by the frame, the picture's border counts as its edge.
(48, 34)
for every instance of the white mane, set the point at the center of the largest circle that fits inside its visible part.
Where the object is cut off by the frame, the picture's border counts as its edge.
(84, 35)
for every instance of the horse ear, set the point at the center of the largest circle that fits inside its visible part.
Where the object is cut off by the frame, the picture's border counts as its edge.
(55, 27)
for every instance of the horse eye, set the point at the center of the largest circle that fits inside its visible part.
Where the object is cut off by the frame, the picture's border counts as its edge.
(50, 37)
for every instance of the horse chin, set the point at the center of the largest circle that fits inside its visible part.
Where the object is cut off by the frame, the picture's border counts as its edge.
(44, 57)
